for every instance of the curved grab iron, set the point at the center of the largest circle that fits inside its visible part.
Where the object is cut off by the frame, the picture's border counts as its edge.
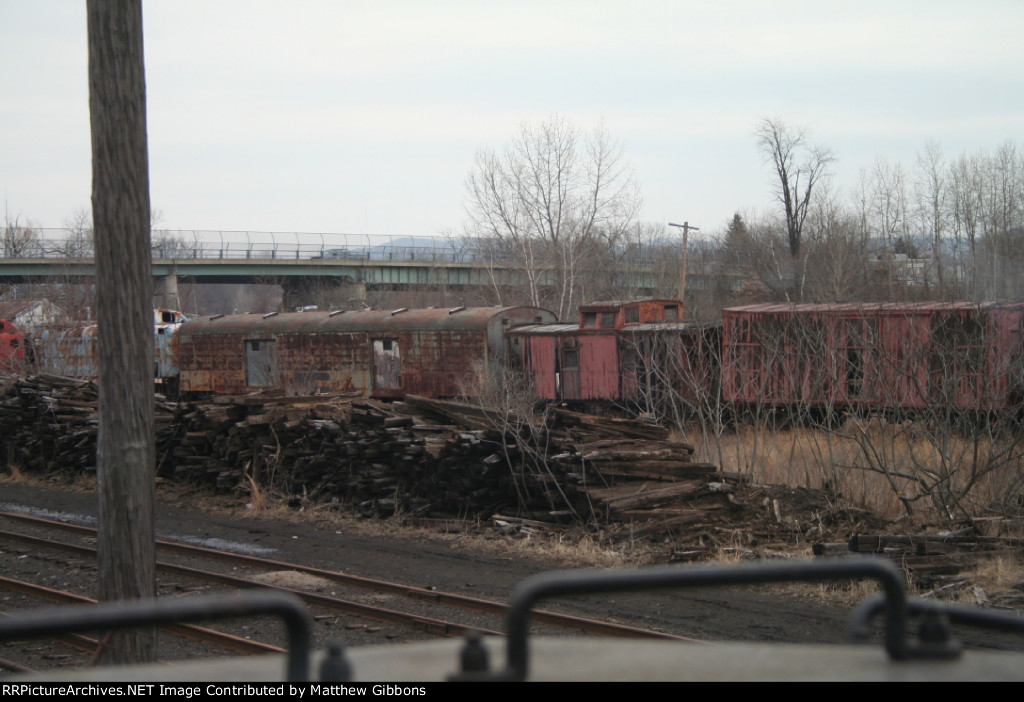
(547, 585)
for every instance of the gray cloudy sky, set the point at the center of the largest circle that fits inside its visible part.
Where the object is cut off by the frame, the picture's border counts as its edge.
(364, 117)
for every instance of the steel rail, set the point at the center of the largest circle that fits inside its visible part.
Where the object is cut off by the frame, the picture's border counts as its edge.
(568, 621)
(382, 614)
(14, 666)
(78, 642)
(189, 631)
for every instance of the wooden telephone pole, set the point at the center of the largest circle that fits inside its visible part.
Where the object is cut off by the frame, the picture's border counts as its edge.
(125, 446)
(685, 226)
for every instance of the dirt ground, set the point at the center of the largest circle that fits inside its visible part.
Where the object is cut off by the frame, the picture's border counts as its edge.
(485, 564)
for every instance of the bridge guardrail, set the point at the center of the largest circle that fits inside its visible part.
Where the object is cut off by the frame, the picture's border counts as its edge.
(207, 244)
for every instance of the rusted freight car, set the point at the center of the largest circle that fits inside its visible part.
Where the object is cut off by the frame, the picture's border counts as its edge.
(377, 353)
(896, 358)
(12, 347)
(627, 353)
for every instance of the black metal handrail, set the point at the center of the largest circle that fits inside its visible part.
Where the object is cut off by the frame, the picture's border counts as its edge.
(547, 585)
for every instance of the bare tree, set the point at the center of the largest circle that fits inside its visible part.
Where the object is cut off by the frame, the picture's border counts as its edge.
(931, 190)
(799, 169)
(837, 253)
(549, 202)
(121, 215)
(20, 238)
(80, 242)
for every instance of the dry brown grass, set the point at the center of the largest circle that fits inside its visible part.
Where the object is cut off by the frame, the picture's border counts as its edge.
(572, 550)
(852, 463)
(259, 500)
(15, 473)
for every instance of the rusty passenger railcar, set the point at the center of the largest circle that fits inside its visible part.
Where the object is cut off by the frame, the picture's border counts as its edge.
(375, 353)
(12, 347)
(630, 353)
(893, 357)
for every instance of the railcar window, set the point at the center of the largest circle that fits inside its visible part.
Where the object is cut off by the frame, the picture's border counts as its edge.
(854, 344)
(632, 314)
(590, 320)
(607, 320)
(671, 313)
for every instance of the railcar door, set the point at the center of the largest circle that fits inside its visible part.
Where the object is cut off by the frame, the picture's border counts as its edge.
(569, 385)
(387, 365)
(260, 365)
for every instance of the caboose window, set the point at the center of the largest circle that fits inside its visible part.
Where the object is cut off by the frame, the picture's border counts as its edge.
(590, 320)
(385, 344)
(607, 320)
(632, 314)
(671, 313)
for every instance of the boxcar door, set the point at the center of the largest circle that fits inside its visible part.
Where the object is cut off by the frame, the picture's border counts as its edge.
(387, 365)
(260, 365)
(569, 386)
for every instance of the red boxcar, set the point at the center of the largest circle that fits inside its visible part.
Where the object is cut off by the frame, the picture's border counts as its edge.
(12, 347)
(620, 352)
(431, 352)
(955, 356)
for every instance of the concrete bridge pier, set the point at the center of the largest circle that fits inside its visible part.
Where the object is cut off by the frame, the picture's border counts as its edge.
(165, 295)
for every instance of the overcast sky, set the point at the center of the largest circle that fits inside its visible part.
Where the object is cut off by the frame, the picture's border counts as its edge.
(364, 117)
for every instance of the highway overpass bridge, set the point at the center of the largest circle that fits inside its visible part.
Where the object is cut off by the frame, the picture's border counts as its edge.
(296, 276)
(407, 263)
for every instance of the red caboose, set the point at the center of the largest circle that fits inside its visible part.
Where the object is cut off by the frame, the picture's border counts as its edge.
(620, 352)
(892, 357)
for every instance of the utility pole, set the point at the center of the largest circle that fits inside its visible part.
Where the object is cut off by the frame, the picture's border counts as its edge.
(685, 226)
(125, 451)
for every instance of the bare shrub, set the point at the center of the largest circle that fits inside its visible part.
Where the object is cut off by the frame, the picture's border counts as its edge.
(508, 402)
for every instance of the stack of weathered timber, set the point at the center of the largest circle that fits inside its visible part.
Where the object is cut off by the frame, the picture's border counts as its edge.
(420, 456)
(243, 441)
(383, 457)
(48, 423)
(588, 425)
(934, 554)
(655, 482)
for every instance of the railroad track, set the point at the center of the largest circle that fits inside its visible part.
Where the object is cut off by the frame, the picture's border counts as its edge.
(485, 615)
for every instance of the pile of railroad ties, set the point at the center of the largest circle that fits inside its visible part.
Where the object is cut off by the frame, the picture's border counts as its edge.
(418, 457)
(429, 461)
